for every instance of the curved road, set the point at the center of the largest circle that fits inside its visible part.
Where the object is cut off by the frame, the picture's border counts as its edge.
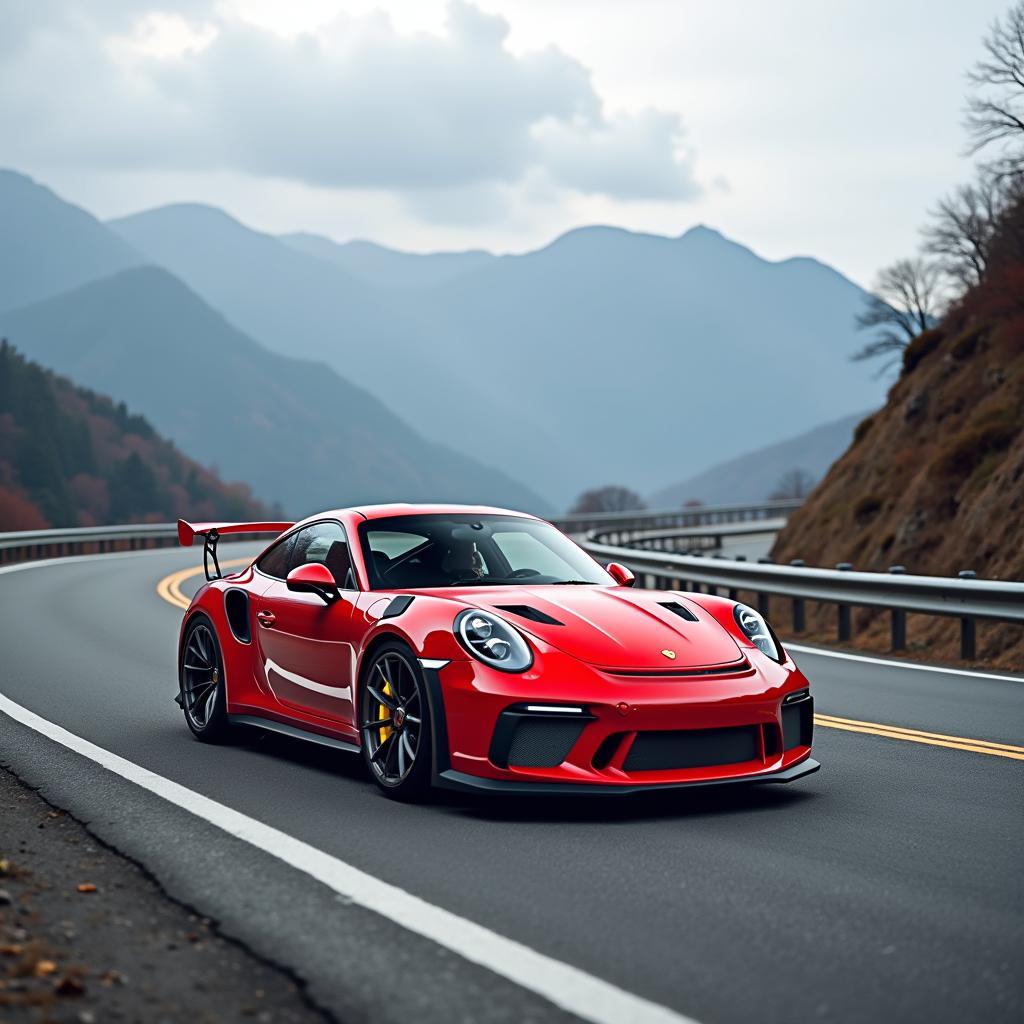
(888, 886)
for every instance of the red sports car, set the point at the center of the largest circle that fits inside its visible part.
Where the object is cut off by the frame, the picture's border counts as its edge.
(477, 648)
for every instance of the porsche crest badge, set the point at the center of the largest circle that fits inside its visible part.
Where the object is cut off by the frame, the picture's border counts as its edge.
(671, 655)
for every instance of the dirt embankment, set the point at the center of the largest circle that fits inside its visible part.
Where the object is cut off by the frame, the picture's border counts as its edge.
(935, 480)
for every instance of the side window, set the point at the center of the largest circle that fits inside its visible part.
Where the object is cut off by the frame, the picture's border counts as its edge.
(325, 543)
(276, 561)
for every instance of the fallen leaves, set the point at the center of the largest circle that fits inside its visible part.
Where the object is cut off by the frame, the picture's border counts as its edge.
(86, 887)
(43, 968)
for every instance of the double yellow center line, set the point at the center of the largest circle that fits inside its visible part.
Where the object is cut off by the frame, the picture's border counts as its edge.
(169, 588)
(932, 739)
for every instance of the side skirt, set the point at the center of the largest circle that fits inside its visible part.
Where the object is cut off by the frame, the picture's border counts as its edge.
(294, 732)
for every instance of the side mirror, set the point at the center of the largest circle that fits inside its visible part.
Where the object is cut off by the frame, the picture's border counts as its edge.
(620, 574)
(313, 578)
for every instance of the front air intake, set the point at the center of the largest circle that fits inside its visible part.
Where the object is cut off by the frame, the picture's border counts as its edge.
(693, 748)
(798, 722)
(536, 736)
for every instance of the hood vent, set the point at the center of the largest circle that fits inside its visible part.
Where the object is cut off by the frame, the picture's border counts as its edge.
(679, 609)
(524, 611)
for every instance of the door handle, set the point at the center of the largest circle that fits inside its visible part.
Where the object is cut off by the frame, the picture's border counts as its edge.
(265, 618)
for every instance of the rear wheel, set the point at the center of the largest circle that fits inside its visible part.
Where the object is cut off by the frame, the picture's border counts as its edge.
(201, 679)
(395, 723)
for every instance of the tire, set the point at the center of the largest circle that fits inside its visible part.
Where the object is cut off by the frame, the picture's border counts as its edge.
(395, 727)
(201, 682)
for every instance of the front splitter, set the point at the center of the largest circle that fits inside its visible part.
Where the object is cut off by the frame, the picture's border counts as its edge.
(452, 779)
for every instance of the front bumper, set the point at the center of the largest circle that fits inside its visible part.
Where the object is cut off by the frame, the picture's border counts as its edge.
(499, 732)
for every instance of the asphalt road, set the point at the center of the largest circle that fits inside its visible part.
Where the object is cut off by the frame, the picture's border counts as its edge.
(888, 886)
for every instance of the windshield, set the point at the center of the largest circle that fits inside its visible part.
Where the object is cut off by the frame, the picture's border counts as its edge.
(419, 552)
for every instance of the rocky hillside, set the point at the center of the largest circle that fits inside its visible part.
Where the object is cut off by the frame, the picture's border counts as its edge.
(70, 457)
(935, 480)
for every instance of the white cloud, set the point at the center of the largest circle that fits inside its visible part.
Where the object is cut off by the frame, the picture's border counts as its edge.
(354, 105)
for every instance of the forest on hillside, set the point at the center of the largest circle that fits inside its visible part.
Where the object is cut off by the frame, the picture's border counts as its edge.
(71, 457)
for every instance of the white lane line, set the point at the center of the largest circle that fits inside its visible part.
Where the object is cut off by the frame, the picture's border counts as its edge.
(893, 663)
(567, 987)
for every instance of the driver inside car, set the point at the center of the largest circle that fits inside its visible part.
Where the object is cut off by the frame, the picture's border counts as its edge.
(463, 561)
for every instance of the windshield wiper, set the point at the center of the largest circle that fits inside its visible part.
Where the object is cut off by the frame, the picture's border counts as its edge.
(573, 583)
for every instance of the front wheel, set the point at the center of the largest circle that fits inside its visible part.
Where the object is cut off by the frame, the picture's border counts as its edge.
(201, 680)
(395, 723)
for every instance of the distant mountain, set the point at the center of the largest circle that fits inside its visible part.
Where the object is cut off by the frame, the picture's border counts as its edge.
(48, 246)
(295, 430)
(70, 457)
(606, 356)
(301, 305)
(389, 268)
(753, 476)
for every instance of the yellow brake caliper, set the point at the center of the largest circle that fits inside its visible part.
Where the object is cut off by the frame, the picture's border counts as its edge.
(382, 713)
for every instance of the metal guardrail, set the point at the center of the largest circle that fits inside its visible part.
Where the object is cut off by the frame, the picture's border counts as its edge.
(32, 545)
(650, 551)
(694, 539)
(624, 523)
(964, 596)
(29, 545)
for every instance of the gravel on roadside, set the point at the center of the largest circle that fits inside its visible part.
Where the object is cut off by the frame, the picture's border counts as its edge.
(87, 936)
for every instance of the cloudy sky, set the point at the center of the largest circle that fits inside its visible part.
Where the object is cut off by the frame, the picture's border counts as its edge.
(794, 126)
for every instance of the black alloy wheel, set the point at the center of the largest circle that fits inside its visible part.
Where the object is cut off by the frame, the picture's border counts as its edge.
(394, 723)
(201, 681)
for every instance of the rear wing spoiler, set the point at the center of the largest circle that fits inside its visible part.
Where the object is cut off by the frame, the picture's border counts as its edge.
(212, 533)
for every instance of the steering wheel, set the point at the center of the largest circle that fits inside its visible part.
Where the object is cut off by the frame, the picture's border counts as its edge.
(519, 574)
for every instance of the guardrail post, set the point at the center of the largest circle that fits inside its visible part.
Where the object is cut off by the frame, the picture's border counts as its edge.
(843, 611)
(967, 625)
(899, 617)
(799, 616)
(733, 592)
(764, 598)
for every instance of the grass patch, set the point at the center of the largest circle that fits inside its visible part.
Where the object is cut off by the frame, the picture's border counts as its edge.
(966, 344)
(925, 343)
(866, 509)
(973, 446)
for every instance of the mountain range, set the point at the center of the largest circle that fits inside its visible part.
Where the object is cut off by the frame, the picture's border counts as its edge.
(751, 477)
(607, 356)
(294, 430)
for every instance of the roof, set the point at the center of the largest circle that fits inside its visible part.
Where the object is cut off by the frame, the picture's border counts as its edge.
(401, 509)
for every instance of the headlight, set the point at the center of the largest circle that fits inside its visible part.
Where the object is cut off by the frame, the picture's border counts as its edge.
(493, 641)
(756, 630)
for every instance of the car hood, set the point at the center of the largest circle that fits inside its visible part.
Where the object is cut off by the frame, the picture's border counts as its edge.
(612, 627)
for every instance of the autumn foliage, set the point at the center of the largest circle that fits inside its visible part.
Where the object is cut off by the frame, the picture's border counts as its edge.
(70, 457)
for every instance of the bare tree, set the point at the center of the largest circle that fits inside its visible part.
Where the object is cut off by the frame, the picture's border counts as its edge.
(995, 114)
(962, 228)
(610, 498)
(794, 483)
(905, 300)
